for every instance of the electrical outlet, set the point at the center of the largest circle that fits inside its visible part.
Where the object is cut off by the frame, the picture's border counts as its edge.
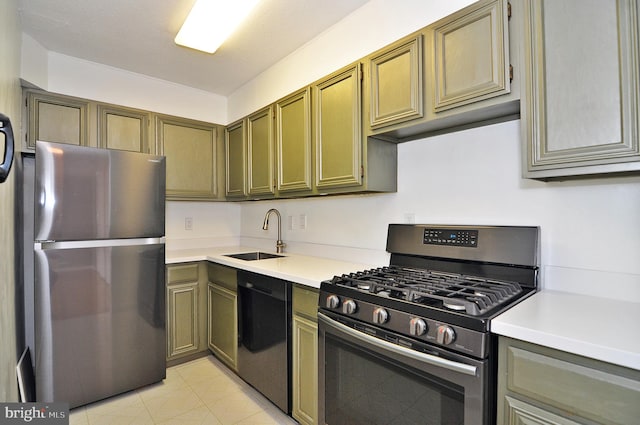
(188, 223)
(303, 222)
(409, 218)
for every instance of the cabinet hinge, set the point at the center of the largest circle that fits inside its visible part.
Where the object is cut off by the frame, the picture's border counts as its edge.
(510, 73)
(508, 10)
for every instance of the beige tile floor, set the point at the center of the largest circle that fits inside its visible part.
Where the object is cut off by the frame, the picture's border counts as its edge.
(201, 392)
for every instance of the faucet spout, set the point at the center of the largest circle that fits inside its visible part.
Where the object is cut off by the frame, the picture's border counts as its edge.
(265, 226)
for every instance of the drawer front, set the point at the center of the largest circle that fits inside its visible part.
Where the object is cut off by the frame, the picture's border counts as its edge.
(597, 391)
(182, 273)
(227, 277)
(305, 301)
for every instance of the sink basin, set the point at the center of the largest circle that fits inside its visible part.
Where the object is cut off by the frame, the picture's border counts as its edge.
(252, 256)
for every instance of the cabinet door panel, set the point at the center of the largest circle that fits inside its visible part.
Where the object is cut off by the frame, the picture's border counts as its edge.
(396, 84)
(223, 328)
(260, 152)
(338, 130)
(190, 148)
(521, 413)
(57, 119)
(123, 129)
(293, 140)
(580, 112)
(305, 370)
(182, 326)
(471, 56)
(236, 159)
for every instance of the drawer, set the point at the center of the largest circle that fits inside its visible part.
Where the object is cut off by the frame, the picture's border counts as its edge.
(598, 391)
(305, 301)
(182, 273)
(227, 277)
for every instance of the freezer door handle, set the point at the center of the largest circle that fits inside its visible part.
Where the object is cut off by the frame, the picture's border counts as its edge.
(5, 127)
(41, 245)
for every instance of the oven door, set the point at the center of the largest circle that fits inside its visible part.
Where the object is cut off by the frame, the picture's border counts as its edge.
(364, 379)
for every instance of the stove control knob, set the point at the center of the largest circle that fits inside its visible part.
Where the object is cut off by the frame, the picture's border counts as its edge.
(417, 327)
(380, 316)
(349, 307)
(333, 301)
(445, 335)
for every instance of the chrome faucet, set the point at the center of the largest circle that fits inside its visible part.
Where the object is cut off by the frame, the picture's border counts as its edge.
(265, 226)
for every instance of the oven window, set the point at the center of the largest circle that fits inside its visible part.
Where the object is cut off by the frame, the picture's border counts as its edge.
(368, 389)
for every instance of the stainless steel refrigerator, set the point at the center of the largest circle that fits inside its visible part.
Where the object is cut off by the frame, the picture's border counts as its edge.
(99, 281)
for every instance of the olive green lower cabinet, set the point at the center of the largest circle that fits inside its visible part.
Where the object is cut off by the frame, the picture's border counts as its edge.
(540, 385)
(222, 313)
(186, 306)
(305, 355)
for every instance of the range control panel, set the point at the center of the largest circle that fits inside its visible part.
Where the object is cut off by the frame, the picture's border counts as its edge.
(452, 237)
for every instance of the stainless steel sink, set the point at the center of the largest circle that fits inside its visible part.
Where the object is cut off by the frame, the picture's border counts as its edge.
(252, 256)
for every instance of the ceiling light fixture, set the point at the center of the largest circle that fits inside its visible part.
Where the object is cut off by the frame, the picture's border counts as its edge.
(211, 22)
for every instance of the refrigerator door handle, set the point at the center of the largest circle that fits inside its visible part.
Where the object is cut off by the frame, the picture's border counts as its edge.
(5, 127)
(40, 245)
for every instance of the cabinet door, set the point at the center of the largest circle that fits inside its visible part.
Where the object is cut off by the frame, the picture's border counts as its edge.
(580, 103)
(471, 55)
(223, 327)
(293, 142)
(338, 125)
(396, 84)
(182, 323)
(305, 370)
(123, 129)
(57, 119)
(190, 148)
(260, 152)
(235, 159)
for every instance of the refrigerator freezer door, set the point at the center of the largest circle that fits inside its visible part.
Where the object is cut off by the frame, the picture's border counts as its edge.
(86, 193)
(100, 321)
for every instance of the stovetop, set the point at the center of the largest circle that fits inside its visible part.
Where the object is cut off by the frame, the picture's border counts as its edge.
(443, 285)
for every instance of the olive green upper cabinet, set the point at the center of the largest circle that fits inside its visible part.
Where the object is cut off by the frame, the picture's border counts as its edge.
(293, 143)
(580, 106)
(337, 137)
(54, 118)
(470, 55)
(123, 129)
(260, 153)
(345, 161)
(235, 138)
(191, 149)
(395, 83)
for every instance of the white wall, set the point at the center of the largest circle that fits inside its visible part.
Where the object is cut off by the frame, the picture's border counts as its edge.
(10, 106)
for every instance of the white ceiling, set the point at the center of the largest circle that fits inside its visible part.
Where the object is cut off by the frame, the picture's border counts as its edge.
(137, 35)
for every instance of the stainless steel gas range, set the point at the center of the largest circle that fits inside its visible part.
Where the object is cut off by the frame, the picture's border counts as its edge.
(410, 343)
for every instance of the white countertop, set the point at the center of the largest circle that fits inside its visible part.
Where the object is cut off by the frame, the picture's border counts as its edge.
(595, 327)
(302, 269)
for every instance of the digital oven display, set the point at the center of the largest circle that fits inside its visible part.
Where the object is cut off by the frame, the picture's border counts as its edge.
(452, 237)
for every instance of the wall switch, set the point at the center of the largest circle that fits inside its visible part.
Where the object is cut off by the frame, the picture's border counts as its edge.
(303, 222)
(188, 223)
(290, 222)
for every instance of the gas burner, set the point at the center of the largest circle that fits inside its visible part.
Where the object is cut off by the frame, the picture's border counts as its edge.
(472, 295)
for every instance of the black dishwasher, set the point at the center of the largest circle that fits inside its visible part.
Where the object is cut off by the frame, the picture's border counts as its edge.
(264, 336)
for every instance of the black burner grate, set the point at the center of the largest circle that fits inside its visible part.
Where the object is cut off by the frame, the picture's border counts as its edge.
(466, 294)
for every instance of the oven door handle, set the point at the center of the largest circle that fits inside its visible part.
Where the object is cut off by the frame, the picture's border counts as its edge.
(416, 355)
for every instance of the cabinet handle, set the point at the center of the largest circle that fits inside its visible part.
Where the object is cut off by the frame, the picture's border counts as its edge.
(5, 127)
